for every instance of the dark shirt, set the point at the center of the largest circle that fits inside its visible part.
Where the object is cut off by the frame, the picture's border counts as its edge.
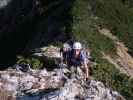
(66, 54)
(77, 61)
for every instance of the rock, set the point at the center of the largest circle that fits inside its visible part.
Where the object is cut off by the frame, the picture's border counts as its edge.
(51, 96)
(51, 85)
(27, 97)
(38, 54)
(4, 3)
(5, 76)
(22, 67)
(50, 52)
(9, 87)
(43, 72)
(27, 81)
(70, 90)
(97, 91)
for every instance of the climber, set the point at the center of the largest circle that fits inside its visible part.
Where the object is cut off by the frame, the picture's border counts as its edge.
(78, 57)
(65, 53)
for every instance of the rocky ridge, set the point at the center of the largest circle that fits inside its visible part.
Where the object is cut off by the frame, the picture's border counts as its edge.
(51, 85)
(44, 85)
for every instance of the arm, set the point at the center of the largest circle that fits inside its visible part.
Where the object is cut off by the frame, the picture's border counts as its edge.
(86, 69)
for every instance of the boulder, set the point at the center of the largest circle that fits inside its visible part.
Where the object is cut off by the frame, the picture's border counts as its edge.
(52, 85)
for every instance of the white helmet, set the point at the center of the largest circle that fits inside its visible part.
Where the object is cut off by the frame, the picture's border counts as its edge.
(66, 45)
(77, 45)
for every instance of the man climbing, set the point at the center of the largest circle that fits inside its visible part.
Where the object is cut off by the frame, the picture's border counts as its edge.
(65, 53)
(78, 57)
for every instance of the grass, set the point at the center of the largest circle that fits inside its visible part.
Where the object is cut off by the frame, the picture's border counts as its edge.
(117, 16)
(84, 29)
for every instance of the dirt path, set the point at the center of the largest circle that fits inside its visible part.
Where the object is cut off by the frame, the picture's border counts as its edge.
(123, 61)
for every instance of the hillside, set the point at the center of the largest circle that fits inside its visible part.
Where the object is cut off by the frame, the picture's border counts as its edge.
(92, 25)
(103, 26)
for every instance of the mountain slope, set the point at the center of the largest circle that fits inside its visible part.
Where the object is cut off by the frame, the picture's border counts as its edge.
(34, 23)
(86, 28)
(117, 16)
(123, 59)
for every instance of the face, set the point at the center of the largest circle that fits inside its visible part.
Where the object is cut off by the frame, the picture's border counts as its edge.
(65, 49)
(77, 51)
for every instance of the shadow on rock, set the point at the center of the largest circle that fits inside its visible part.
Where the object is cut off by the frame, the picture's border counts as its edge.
(31, 24)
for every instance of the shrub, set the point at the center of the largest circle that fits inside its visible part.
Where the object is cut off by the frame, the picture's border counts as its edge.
(117, 16)
(84, 28)
(34, 62)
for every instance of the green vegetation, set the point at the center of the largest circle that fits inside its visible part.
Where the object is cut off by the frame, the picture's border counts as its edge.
(112, 77)
(37, 63)
(117, 16)
(84, 29)
(34, 62)
(113, 14)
